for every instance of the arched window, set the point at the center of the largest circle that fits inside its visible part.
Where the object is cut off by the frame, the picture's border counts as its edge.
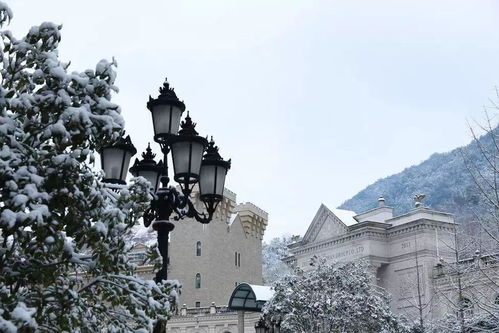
(198, 249)
(198, 281)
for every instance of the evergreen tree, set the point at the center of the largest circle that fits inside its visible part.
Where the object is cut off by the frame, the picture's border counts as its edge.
(273, 253)
(330, 298)
(63, 257)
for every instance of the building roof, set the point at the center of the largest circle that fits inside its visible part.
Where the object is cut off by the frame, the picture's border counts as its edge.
(346, 216)
(249, 297)
(233, 217)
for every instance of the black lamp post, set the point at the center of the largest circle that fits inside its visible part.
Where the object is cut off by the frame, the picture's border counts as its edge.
(194, 161)
(260, 327)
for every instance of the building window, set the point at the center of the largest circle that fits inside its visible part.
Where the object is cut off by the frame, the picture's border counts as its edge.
(237, 259)
(198, 304)
(198, 281)
(198, 249)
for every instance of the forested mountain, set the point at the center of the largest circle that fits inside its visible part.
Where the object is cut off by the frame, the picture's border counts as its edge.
(444, 178)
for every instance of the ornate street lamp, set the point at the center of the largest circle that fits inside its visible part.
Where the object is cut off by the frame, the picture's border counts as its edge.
(187, 151)
(115, 160)
(212, 176)
(166, 112)
(260, 327)
(190, 167)
(148, 168)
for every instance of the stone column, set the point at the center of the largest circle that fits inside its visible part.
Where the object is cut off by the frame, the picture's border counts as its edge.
(373, 266)
(240, 321)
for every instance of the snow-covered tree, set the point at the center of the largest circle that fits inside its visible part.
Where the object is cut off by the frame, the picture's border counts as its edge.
(337, 297)
(63, 257)
(473, 274)
(273, 253)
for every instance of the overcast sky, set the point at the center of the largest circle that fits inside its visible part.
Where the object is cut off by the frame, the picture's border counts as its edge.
(313, 100)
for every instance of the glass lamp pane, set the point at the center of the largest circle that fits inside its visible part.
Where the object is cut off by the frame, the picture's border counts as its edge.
(180, 154)
(221, 172)
(112, 161)
(166, 119)
(126, 164)
(197, 155)
(151, 176)
(207, 179)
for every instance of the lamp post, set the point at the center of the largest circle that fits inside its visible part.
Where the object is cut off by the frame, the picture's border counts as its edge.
(195, 160)
(260, 326)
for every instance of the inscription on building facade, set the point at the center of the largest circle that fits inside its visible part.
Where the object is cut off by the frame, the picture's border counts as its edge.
(406, 245)
(346, 253)
(340, 254)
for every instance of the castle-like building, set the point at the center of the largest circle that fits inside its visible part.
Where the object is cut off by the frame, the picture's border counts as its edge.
(210, 260)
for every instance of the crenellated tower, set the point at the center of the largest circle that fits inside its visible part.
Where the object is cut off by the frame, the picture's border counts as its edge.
(253, 219)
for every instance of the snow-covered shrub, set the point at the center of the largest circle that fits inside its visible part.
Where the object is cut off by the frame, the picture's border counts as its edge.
(330, 298)
(63, 263)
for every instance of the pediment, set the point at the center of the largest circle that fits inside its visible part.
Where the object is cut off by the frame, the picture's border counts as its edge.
(326, 224)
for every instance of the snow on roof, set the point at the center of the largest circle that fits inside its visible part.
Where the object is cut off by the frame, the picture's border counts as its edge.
(233, 218)
(262, 293)
(346, 216)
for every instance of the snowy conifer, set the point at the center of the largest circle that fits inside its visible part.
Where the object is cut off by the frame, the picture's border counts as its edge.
(330, 298)
(273, 253)
(63, 262)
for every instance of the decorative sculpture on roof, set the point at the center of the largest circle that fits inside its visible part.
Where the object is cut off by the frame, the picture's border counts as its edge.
(418, 200)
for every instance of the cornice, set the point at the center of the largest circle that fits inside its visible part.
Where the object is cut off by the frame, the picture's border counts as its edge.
(358, 235)
(374, 230)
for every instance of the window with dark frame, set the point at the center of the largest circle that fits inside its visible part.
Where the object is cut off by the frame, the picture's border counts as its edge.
(198, 249)
(198, 281)
(239, 259)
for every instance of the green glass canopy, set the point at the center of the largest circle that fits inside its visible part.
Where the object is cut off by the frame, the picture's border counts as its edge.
(251, 298)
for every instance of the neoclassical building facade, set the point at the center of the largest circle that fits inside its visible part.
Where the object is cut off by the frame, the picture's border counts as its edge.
(408, 255)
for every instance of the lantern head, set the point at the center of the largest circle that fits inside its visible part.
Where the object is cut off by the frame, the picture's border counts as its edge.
(148, 168)
(166, 111)
(212, 177)
(187, 151)
(115, 160)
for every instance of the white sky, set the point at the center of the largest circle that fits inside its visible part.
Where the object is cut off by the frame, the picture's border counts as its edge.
(313, 100)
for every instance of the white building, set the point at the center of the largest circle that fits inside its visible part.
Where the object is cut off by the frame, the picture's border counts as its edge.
(405, 252)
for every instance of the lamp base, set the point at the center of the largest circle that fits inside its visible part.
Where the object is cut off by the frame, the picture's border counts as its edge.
(163, 225)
